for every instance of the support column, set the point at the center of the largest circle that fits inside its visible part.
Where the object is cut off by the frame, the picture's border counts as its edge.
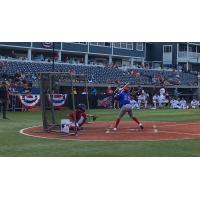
(59, 56)
(196, 55)
(29, 54)
(110, 60)
(86, 59)
(187, 65)
(198, 90)
(177, 56)
(132, 61)
(143, 62)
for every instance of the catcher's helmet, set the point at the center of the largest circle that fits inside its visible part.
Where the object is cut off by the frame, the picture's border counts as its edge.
(81, 107)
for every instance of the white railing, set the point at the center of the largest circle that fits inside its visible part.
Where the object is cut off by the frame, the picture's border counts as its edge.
(182, 54)
(192, 56)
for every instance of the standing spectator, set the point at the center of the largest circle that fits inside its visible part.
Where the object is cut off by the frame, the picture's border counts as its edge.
(13, 55)
(109, 91)
(4, 99)
(26, 89)
(94, 91)
(84, 91)
(74, 91)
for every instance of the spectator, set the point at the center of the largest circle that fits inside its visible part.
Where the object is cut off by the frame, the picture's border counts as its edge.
(74, 91)
(26, 89)
(84, 91)
(94, 91)
(109, 91)
(13, 55)
(4, 98)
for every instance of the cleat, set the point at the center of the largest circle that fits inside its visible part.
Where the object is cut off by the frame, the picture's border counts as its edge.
(141, 126)
(114, 129)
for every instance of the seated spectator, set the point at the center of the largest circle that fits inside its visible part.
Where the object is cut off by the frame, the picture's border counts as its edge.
(26, 89)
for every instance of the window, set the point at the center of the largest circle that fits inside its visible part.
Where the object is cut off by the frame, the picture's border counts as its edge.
(123, 45)
(129, 45)
(101, 43)
(167, 48)
(117, 44)
(107, 44)
(139, 46)
(93, 43)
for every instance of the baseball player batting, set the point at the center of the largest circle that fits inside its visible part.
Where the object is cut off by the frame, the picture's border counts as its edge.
(124, 102)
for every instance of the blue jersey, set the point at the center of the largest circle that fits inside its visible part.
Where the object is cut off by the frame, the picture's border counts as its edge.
(123, 97)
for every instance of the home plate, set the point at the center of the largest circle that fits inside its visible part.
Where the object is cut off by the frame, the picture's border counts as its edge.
(134, 129)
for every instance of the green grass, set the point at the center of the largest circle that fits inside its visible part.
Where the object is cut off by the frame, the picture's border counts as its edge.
(12, 143)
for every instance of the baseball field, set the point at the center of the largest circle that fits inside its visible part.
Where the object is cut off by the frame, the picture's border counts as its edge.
(15, 144)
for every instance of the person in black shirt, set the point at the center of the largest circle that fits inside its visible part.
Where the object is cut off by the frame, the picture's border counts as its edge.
(3, 98)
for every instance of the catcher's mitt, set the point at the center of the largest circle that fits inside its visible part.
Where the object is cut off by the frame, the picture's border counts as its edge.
(94, 118)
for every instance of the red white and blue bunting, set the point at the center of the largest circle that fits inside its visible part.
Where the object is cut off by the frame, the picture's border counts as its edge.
(58, 100)
(29, 101)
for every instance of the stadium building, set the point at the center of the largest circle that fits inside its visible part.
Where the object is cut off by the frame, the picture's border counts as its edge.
(184, 55)
(118, 53)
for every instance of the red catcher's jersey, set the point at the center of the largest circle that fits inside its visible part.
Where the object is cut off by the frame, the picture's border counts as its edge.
(78, 115)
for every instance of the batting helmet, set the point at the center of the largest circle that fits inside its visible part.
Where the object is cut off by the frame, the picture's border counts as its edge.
(81, 107)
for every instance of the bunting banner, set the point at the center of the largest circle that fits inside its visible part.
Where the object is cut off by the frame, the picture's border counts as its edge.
(58, 100)
(29, 101)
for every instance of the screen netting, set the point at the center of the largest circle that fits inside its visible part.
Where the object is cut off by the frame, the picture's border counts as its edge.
(57, 103)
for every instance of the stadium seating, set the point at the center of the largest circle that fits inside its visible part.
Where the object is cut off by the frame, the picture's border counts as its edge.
(99, 74)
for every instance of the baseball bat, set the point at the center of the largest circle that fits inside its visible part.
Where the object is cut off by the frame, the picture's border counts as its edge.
(127, 84)
(118, 89)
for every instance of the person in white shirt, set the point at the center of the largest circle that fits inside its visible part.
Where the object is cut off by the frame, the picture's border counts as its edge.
(134, 104)
(162, 91)
(195, 103)
(142, 100)
(183, 103)
(175, 103)
(155, 101)
(162, 100)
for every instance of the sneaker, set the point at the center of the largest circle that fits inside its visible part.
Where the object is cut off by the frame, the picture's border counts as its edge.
(114, 129)
(141, 126)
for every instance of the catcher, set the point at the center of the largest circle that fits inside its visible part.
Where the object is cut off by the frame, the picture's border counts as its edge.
(79, 117)
(126, 107)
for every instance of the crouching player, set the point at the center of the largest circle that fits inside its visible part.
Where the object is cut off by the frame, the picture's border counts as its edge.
(79, 117)
(126, 107)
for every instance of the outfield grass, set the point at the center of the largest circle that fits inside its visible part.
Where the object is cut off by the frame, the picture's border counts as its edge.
(12, 143)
